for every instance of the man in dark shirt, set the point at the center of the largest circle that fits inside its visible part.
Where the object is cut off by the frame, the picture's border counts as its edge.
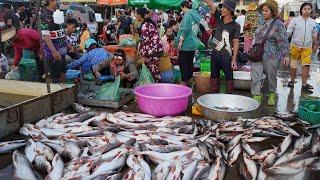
(25, 15)
(224, 56)
(10, 18)
(55, 47)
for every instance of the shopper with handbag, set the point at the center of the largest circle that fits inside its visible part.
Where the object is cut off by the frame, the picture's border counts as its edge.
(270, 49)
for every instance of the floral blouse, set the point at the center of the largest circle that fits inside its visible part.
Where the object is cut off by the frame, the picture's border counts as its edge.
(277, 44)
(150, 42)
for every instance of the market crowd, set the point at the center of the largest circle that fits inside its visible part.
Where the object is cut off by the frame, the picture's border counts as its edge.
(256, 36)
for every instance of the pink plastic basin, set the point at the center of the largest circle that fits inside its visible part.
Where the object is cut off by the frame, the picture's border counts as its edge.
(162, 99)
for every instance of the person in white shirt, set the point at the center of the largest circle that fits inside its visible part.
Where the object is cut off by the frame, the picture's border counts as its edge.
(303, 33)
(241, 20)
(164, 17)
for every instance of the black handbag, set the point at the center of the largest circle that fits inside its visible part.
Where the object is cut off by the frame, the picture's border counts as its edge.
(255, 54)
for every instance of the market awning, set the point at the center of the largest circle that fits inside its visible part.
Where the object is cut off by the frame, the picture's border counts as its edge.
(112, 2)
(78, 1)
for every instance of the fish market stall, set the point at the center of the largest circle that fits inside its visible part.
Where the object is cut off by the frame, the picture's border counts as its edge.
(125, 145)
(26, 102)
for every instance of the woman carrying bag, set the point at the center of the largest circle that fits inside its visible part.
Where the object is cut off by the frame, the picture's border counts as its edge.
(271, 44)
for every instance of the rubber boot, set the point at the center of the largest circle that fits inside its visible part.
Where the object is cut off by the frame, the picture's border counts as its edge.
(258, 98)
(230, 86)
(272, 99)
(215, 82)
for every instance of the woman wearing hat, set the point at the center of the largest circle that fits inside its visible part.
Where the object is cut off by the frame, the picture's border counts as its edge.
(150, 46)
(250, 26)
(276, 50)
(228, 32)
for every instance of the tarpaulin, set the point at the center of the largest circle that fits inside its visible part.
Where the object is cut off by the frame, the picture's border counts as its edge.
(112, 2)
(138, 2)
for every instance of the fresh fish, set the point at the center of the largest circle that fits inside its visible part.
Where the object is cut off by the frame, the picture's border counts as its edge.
(303, 144)
(234, 154)
(270, 159)
(255, 139)
(52, 133)
(233, 143)
(67, 149)
(246, 147)
(202, 168)
(30, 150)
(189, 171)
(250, 168)
(204, 150)
(162, 170)
(262, 155)
(145, 167)
(316, 145)
(22, 168)
(175, 171)
(89, 133)
(259, 132)
(118, 162)
(8, 147)
(85, 152)
(44, 150)
(293, 167)
(217, 170)
(285, 145)
(57, 169)
(98, 150)
(262, 175)
(79, 108)
(80, 170)
(168, 148)
(42, 164)
(78, 118)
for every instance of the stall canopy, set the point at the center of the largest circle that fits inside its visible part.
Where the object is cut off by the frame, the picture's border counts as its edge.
(112, 2)
(78, 1)
(157, 4)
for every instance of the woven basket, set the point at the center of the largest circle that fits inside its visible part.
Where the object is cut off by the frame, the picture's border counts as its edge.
(203, 82)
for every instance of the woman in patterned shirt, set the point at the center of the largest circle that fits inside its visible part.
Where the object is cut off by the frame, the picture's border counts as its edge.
(276, 50)
(150, 47)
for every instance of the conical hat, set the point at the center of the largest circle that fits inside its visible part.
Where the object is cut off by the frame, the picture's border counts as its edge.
(8, 34)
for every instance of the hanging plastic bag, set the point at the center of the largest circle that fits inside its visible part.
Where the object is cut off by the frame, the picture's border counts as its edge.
(109, 91)
(13, 75)
(145, 77)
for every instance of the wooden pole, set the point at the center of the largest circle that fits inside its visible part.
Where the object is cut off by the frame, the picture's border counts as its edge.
(45, 63)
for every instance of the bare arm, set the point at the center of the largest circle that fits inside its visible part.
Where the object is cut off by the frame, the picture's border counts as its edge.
(314, 43)
(212, 7)
(235, 49)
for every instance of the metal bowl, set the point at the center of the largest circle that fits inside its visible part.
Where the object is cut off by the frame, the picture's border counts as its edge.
(227, 106)
(242, 80)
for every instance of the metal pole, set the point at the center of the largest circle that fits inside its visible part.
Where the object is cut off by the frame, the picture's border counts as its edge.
(45, 63)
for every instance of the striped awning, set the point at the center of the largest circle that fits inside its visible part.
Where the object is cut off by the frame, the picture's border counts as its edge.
(112, 2)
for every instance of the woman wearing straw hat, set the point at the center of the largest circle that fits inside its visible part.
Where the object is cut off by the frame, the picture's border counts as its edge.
(250, 26)
(273, 37)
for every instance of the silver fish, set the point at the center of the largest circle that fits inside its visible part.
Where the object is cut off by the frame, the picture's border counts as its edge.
(118, 162)
(262, 155)
(145, 167)
(204, 150)
(57, 168)
(255, 139)
(30, 150)
(22, 168)
(42, 164)
(202, 168)
(98, 150)
(8, 147)
(44, 150)
(189, 171)
(270, 159)
(246, 147)
(234, 154)
(217, 170)
(162, 170)
(175, 171)
(79, 108)
(250, 169)
(316, 145)
(262, 175)
(285, 145)
(293, 167)
(233, 143)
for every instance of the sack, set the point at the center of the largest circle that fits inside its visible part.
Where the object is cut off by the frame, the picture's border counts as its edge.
(110, 91)
(255, 54)
(145, 77)
(13, 75)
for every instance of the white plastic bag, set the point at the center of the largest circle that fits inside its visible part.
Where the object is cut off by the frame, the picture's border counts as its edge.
(4, 64)
(13, 75)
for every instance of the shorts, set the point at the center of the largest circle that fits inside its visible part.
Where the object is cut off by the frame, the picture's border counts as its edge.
(300, 56)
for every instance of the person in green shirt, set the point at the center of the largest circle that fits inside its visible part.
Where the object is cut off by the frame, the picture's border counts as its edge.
(187, 41)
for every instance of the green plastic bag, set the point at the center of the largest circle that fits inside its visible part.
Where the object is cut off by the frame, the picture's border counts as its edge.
(28, 67)
(110, 91)
(145, 77)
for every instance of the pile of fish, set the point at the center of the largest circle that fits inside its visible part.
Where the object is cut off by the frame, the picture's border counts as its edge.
(125, 145)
